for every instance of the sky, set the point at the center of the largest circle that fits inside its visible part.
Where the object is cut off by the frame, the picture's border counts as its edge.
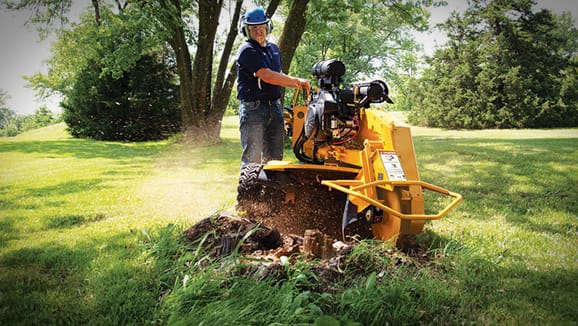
(23, 54)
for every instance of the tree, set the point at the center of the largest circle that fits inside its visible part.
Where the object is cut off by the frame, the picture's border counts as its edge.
(7, 116)
(504, 66)
(5, 113)
(370, 37)
(11, 124)
(202, 105)
(116, 82)
(292, 32)
(115, 40)
(41, 118)
(140, 105)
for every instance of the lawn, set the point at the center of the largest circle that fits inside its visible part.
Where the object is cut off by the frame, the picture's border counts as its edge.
(90, 233)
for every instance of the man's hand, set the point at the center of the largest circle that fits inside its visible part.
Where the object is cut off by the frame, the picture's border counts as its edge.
(303, 83)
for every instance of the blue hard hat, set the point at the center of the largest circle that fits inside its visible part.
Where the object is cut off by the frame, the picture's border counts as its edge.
(256, 16)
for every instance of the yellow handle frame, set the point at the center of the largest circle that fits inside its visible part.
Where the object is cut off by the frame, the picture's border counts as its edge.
(305, 96)
(353, 187)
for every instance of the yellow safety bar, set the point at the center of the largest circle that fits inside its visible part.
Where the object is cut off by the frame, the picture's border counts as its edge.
(356, 185)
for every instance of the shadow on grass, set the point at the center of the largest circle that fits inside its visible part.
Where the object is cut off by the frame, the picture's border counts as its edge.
(66, 188)
(85, 149)
(41, 285)
(513, 295)
(69, 221)
(516, 178)
(8, 230)
(530, 185)
(483, 291)
(94, 282)
(39, 198)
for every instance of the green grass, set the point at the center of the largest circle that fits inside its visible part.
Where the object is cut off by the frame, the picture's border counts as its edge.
(90, 234)
(72, 212)
(518, 221)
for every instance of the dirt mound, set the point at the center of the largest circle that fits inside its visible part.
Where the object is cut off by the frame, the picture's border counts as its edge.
(224, 234)
(221, 235)
(268, 250)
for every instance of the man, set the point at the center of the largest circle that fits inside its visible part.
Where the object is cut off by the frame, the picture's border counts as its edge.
(259, 82)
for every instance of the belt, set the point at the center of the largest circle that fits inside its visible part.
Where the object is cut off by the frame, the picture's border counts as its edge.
(270, 102)
(266, 102)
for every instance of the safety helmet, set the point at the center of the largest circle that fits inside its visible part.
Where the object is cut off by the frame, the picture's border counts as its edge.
(256, 16)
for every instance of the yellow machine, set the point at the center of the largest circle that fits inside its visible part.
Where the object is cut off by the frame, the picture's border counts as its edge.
(357, 171)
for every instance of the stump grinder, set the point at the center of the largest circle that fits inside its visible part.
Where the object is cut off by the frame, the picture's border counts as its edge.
(355, 171)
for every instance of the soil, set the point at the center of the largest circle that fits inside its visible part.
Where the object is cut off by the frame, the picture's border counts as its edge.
(267, 249)
(302, 204)
(220, 235)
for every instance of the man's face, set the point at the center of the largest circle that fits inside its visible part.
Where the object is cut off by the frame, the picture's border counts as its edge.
(258, 33)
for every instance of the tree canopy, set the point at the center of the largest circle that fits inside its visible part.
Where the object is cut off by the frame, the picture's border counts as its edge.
(370, 37)
(504, 66)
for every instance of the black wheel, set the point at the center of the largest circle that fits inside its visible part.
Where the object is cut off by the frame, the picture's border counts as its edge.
(253, 201)
(248, 186)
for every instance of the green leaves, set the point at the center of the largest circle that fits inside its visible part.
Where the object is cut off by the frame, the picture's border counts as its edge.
(368, 36)
(504, 66)
(44, 14)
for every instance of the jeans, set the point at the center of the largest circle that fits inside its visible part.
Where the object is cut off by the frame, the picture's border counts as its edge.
(262, 131)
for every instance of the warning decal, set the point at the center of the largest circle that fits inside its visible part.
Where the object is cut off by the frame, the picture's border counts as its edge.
(392, 166)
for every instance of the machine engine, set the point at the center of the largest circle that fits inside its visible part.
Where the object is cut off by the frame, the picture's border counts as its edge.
(333, 113)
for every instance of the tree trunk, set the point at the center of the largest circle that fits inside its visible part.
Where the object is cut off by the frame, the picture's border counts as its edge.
(224, 85)
(208, 14)
(184, 70)
(202, 119)
(291, 36)
(96, 8)
(273, 7)
(180, 48)
(292, 32)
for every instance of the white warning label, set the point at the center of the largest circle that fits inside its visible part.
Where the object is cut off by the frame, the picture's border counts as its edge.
(392, 166)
